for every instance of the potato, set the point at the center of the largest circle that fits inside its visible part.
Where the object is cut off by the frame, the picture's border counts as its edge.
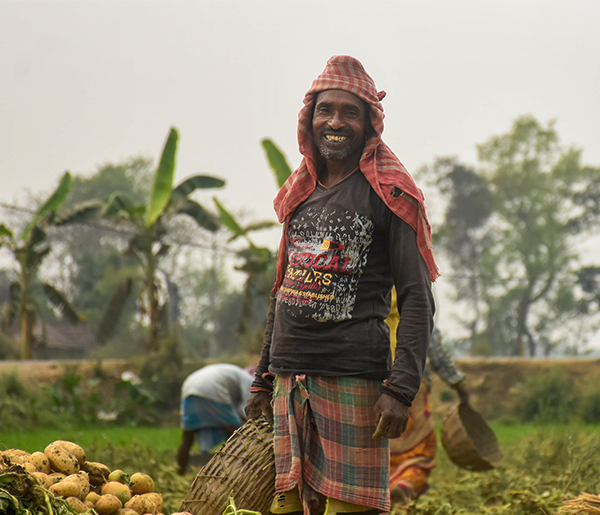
(107, 504)
(92, 497)
(43, 479)
(61, 460)
(141, 483)
(57, 476)
(65, 489)
(126, 511)
(156, 499)
(118, 489)
(74, 449)
(88, 503)
(141, 504)
(29, 467)
(81, 478)
(98, 472)
(16, 456)
(77, 505)
(41, 462)
(119, 475)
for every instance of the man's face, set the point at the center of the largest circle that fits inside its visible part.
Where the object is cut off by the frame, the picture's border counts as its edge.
(339, 125)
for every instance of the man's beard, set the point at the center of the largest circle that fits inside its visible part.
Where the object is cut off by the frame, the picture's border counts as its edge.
(333, 154)
(336, 154)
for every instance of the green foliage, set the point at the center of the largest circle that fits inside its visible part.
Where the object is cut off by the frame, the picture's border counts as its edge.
(51, 205)
(547, 397)
(277, 161)
(538, 473)
(590, 409)
(21, 494)
(163, 179)
(147, 245)
(29, 251)
(71, 399)
(509, 230)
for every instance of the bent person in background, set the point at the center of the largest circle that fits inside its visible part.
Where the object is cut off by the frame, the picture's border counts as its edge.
(212, 408)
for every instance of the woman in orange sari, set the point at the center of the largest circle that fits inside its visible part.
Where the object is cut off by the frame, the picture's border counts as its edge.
(412, 455)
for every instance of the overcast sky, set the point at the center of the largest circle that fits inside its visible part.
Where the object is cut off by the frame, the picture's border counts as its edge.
(87, 82)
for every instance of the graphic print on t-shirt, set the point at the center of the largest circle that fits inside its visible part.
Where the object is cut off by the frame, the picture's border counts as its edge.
(327, 252)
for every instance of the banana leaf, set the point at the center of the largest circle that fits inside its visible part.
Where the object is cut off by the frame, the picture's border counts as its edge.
(5, 231)
(163, 179)
(193, 183)
(277, 161)
(228, 220)
(51, 205)
(60, 302)
(81, 213)
(118, 202)
(200, 215)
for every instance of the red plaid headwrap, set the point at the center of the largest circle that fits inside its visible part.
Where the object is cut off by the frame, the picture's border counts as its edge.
(384, 171)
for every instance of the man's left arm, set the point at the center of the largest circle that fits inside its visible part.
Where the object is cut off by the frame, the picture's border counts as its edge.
(416, 308)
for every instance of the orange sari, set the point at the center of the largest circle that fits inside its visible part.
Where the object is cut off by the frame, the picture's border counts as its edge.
(412, 455)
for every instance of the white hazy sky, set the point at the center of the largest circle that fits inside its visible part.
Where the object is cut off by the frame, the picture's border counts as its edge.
(87, 82)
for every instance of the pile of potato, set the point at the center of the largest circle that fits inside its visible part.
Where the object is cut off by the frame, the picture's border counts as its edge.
(64, 471)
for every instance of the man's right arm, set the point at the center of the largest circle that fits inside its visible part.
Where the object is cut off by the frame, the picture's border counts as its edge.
(262, 386)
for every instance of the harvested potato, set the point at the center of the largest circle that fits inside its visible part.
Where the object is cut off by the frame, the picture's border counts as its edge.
(107, 504)
(57, 476)
(118, 489)
(141, 504)
(141, 483)
(65, 489)
(41, 462)
(119, 475)
(81, 478)
(61, 459)
(74, 449)
(30, 467)
(16, 456)
(77, 505)
(126, 511)
(98, 472)
(156, 499)
(92, 497)
(43, 479)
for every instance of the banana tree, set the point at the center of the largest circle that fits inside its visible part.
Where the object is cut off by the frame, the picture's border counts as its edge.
(258, 262)
(29, 250)
(149, 234)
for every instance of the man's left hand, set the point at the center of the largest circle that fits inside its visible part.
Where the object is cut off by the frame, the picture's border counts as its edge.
(393, 417)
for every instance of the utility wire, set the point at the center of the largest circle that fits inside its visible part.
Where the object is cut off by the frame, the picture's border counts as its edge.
(121, 232)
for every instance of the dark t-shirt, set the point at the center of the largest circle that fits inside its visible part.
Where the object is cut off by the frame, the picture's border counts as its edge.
(346, 250)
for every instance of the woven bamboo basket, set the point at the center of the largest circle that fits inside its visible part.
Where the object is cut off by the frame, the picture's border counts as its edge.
(469, 442)
(243, 468)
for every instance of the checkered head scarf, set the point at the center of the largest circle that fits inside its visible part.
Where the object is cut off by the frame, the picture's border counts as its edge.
(384, 171)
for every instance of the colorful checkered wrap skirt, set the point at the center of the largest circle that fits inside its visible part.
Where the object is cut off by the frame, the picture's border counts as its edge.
(323, 437)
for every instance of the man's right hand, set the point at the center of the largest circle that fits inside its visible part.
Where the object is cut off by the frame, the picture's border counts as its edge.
(259, 403)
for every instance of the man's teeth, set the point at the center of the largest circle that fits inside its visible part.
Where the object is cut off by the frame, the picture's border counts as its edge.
(333, 137)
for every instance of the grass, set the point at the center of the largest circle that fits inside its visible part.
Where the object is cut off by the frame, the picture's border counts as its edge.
(159, 439)
(543, 466)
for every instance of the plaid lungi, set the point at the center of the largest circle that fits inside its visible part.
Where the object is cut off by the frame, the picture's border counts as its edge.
(323, 437)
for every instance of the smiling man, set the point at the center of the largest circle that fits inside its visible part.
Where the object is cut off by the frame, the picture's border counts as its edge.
(354, 228)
